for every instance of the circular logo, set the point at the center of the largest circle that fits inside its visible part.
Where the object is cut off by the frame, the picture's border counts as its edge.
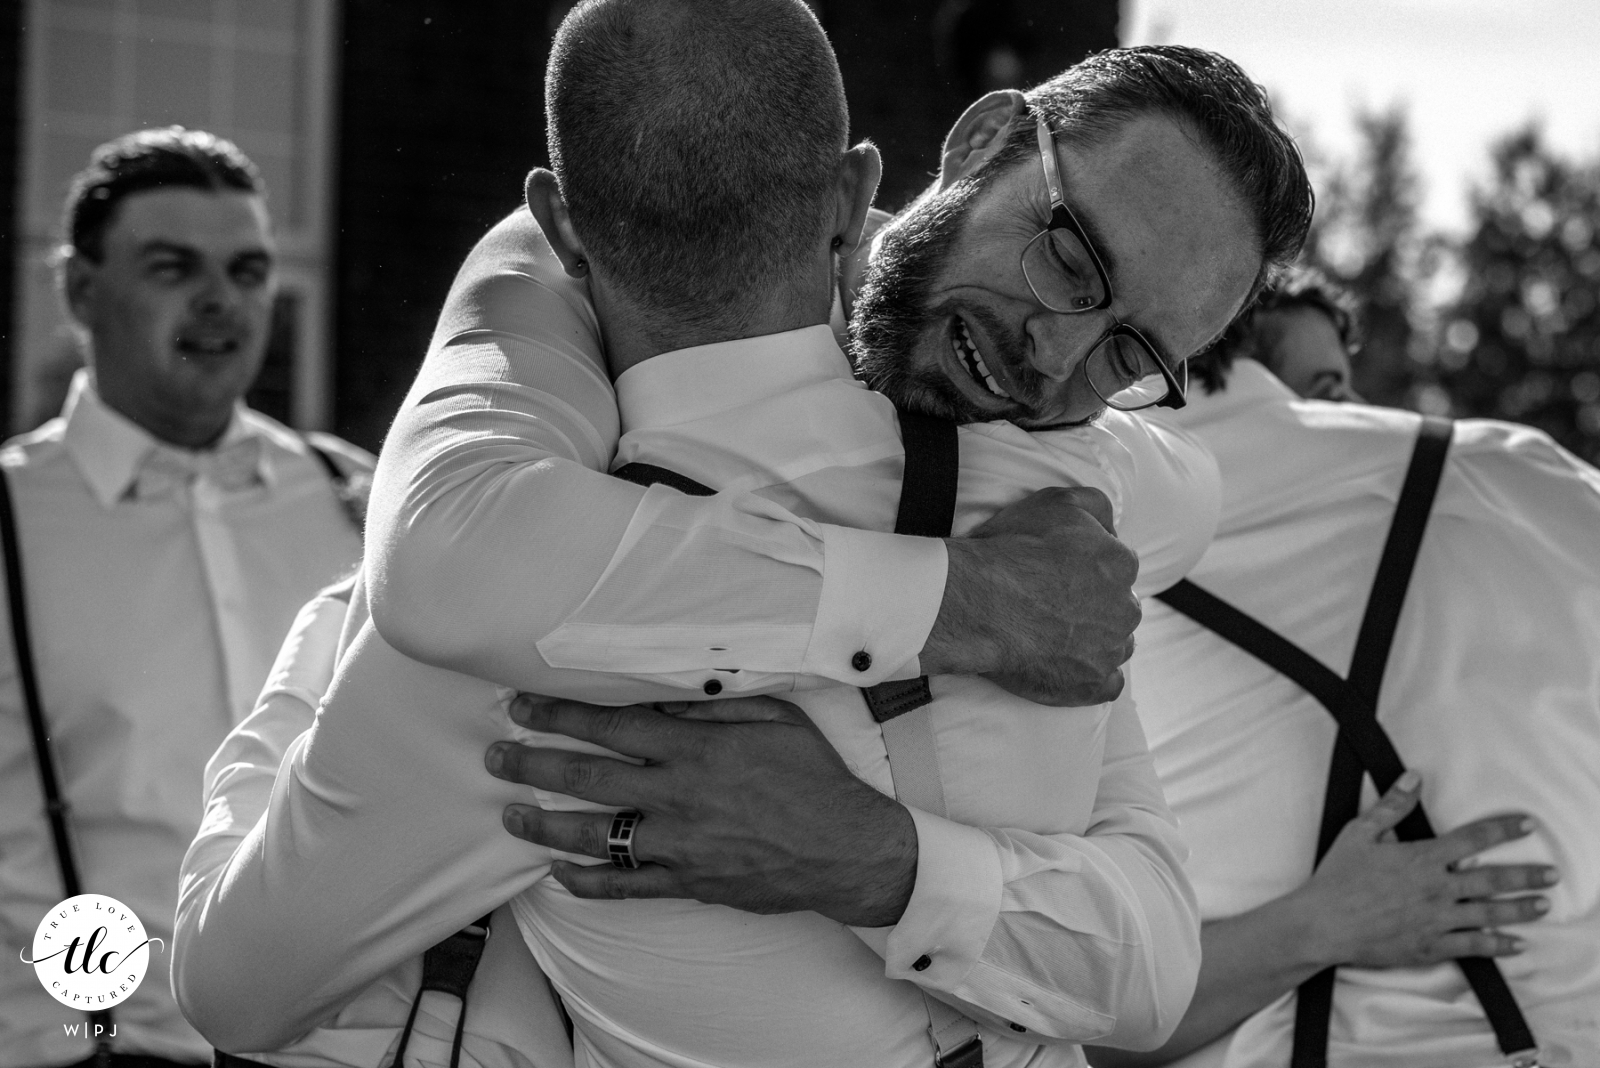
(91, 952)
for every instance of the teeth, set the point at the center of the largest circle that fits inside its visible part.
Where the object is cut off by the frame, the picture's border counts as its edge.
(967, 351)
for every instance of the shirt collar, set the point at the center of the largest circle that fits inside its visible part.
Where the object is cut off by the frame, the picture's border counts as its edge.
(109, 448)
(677, 387)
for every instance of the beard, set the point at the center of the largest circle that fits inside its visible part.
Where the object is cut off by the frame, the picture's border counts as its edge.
(894, 312)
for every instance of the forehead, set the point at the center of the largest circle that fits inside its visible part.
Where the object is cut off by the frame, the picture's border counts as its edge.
(1181, 248)
(221, 223)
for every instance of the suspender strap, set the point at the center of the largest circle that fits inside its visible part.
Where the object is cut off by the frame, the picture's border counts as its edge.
(352, 498)
(1362, 744)
(447, 968)
(927, 509)
(57, 810)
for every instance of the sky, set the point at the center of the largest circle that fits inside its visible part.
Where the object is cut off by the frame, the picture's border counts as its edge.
(1467, 70)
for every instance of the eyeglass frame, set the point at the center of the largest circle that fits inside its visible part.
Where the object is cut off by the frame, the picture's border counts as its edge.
(1062, 218)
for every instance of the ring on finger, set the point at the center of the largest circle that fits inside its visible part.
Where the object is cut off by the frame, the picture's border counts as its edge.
(619, 840)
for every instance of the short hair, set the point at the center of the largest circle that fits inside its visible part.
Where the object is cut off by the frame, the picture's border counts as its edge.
(1299, 287)
(1092, 100)
(149, 159)
(696, 144)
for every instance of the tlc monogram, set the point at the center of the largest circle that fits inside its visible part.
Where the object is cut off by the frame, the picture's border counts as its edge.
(90, 952)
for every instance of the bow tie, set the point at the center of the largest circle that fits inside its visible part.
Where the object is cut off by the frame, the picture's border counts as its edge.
(232, 468)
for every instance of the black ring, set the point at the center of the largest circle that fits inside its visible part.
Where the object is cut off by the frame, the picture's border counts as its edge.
(619, 840)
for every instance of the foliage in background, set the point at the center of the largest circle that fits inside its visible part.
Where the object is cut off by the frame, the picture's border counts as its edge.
(1523, 340)
(1517, 335)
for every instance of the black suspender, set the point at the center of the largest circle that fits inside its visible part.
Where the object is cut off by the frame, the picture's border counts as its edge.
(55, 802)
(1362, 745)
(351, 491)
(927, 509)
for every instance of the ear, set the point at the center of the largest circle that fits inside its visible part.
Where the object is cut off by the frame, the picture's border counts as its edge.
(76, 277)
(979, 133)
(550, 212)
(859, 171)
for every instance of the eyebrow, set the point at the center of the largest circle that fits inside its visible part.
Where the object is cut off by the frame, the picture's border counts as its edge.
(159, 247)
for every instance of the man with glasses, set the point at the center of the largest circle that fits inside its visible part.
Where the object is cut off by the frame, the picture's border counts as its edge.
(1064, 919)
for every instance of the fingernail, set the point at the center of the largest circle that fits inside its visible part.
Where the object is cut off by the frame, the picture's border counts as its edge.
(494, 759)
(513, 820)
(1517, 944)
(1527, 825)
(1409, 780)
(1550, 877)
(1541, 905)
(519, 708)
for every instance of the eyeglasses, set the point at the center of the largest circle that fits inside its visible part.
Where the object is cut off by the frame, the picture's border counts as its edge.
(1066, 275)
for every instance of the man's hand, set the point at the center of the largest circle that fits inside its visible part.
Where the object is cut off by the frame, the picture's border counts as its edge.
(754, 809)
(1039, 600)
(1376, 902)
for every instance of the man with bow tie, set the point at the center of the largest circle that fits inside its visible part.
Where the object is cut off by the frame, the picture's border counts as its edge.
(168, 535)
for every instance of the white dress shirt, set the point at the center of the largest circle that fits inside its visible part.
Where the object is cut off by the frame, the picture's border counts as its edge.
(500, 448)
(1054, 910)
(505, 1027)
(160, 584)
(1492, 693)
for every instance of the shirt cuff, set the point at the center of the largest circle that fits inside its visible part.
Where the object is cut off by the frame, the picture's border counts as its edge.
(954, 905)
(880, 596)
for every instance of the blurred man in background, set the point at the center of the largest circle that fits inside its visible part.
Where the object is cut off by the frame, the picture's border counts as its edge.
(1490, 693)
(168, 536)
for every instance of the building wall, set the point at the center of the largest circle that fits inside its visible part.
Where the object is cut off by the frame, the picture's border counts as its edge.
(255, 71)
(10, 210)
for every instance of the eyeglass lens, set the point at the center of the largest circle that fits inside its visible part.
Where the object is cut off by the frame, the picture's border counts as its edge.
(1062, 273)
(1124, 373)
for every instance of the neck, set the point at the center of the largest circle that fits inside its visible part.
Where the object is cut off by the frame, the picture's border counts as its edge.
(188, 428)
(633, 333)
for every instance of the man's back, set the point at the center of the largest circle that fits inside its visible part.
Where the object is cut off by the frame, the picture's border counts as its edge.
(1491, 693)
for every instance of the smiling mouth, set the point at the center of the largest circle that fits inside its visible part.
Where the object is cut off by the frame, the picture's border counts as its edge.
(967, 353)
(208, 346)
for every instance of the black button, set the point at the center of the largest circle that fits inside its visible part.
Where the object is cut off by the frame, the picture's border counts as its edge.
(922, 963)
(1018, 1028)
(861, 661)
(712, 687)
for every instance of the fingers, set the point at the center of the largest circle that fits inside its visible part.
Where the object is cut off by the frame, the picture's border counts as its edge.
(592, 778)
(1459, 944)
(1483, 834)
(1396, 803)
(1498, 912)
(606, 881)
(635, 730)
(1497, 880)
(759, 709)
(583, 833)
(1096, 503)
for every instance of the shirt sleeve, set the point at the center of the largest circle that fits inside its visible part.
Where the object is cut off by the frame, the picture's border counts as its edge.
(1172, 504)
(511, 1025)
(1091, 938)
(381, 836)
(497, 546)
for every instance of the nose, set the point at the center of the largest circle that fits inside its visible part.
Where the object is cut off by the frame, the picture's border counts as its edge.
(1058, 343)
(216, 294)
